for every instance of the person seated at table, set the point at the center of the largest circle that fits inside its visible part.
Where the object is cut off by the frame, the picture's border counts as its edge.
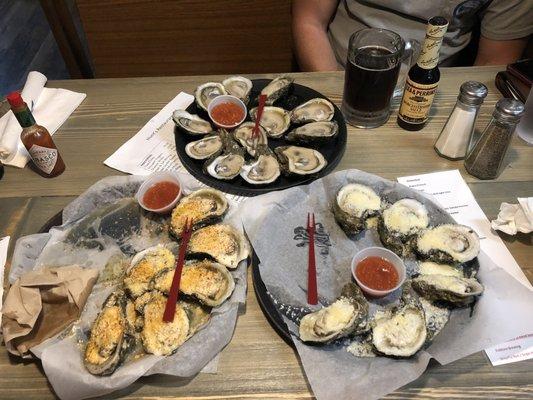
(322, 28)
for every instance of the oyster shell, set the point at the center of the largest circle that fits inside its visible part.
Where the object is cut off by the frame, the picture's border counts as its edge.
(314, 132)
(203, 207)
(110, 338)
(207, 281)
(239, 87)
(198, 315)
(159, 337)
(191, 124)
(207, 92)
(313, 110)
(400, 222)
(206, 147)
(228, 165)
(451, 289)
(354, 204)
(277, 88)
(432, 268)
(275, 120)
(400, 331)
(343, 317)
(243, 135)
(297, 160)
(263, 170)
(222, 243)
(144, 266)
(448, 244)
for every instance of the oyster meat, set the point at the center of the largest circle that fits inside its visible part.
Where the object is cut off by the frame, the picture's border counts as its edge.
(346, 315)
(277, 88)
(275, 120)
(313, 110)
(400, 222)
(243, 135)
(354, 204)
(400, 331)
(238, 86)
(159, 337)
(314, 132)
(448, 244)
(203, 207)
(450, 289)
(228, 165)
(205, 280)
(110, 338)
(432, 268)
(206, 147)
(222, 243)
(144, 266)
(297, 160)
(263, 170)
(191, 124)
(207, 92)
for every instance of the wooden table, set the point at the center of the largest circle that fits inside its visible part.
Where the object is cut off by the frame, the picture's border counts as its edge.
(257, 363)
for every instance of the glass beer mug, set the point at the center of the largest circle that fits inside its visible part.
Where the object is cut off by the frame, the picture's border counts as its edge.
(375, 57)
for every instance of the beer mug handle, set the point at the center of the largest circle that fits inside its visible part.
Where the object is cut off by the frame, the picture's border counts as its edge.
(410, 54)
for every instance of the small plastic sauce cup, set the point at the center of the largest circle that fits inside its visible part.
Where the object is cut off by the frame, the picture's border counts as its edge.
(156, 177)
(381, 253)
(226, 98)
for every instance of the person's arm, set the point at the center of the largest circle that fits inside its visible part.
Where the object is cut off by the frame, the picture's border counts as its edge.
(310, 20)
(499, 52)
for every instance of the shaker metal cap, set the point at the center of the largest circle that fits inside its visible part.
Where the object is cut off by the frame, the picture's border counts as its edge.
(508, 110)
(473, 93)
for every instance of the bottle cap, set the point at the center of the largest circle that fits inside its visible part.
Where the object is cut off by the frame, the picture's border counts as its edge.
(15, 99)
(508, 110)
(472, 93)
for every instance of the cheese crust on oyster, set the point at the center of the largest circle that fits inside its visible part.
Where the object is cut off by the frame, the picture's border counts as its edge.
(448, 243)
(451, 289)
(353, 205)
(433, 268)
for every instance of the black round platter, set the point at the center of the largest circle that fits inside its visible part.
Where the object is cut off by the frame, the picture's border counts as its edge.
(332, 150)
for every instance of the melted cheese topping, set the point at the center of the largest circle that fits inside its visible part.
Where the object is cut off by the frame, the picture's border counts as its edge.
(406, 216)
(139, 276)
(334, 318)
(446, 282)
(195, 207)
(204, 280)
(355, 199)
(219, 241)
(460, 242)
(105, 335)
(432, 268)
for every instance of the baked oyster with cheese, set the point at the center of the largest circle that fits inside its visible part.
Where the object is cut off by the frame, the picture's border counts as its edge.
(433, 268)
(110, 338)
(448, 244)
(144, 266)
(454, 290)
(298, 161)
(203, 207)
(207, 281)
(400, 222)
(346, 315)
(354, 204)
(222, 243)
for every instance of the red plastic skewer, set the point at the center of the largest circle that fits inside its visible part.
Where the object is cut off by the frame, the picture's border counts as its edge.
(170, 307)
(260, 107)
(312, 291)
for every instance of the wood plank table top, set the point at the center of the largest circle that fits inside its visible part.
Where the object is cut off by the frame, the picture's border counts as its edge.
(257, 364)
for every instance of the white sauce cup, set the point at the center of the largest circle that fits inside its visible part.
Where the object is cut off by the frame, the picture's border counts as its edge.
(156, 177)
(226, 98)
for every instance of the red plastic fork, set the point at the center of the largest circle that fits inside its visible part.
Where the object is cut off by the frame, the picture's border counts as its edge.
(259, 114)
(170, 307)
(312, 292)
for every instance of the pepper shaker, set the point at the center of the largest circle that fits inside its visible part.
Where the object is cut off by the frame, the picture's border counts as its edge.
(456, 134)
(484, 161)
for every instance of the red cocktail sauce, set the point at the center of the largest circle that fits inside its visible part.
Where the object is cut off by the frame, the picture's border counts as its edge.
(227, 114)
(377, 273)
(160, 194)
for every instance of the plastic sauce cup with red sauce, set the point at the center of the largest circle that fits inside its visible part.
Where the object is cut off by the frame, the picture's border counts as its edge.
(159, 193)
(378, 271)
(227, 111)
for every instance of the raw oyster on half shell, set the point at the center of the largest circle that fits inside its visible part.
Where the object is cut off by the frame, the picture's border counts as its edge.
(277, 88)
(448, 244)
(275, 120)
(400, 222)
(450, 289)
(222, 243)
(203, 207)
(314, 132)
(227, 165)
(204, 148)
(346, 315)
(243, 135)
(313, 110)
(353, 205)
(262, 170)
(191, 124)
(238, 86)
(299, 161)
(206, 92)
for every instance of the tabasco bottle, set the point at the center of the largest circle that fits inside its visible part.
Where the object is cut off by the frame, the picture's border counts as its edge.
(423, 79)
(36, 139)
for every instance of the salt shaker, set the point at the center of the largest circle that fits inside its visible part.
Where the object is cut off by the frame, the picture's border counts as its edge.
(484, 161)
(456, 134)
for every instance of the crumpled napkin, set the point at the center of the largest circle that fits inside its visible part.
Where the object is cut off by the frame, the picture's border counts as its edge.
(515, 218)
(50, 107)
(41, 303)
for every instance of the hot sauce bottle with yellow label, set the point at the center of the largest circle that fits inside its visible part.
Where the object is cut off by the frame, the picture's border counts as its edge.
(36, 139)
(423, 79)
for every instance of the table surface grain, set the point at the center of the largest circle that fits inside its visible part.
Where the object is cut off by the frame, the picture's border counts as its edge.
(257, 364)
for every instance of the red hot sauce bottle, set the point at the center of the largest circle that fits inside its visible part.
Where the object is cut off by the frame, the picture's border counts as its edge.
(36, 139)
